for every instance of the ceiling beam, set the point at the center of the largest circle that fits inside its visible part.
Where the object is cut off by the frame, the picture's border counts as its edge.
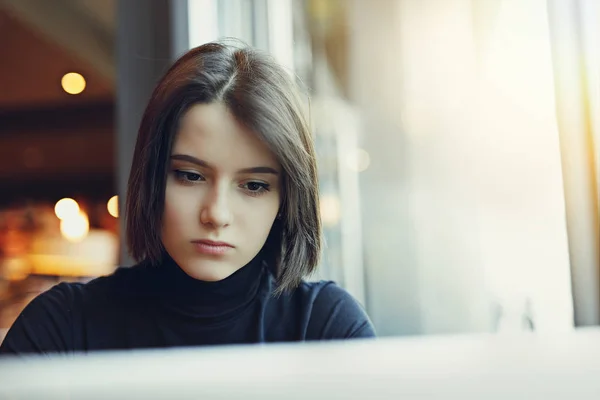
(63, 22)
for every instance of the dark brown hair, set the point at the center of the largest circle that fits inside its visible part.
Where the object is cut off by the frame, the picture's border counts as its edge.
(262, 96)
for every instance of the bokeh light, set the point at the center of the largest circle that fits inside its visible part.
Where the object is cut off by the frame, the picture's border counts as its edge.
(358, 160)
(330, 210)
(66, 208)
(75, 228)
(73, 83)
(113, 206)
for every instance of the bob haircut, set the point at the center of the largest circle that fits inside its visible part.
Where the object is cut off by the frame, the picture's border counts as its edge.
(263, 97)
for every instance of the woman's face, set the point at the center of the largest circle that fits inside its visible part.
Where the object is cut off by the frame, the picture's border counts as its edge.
(222, 194)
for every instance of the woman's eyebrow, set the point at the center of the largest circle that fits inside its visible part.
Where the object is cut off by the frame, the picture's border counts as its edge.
(202, 163)
(259, 170)
(191, 159)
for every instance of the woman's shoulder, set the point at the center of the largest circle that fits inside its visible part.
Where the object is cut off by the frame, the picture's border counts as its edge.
(123, 279)
(46, 323)
(334, 312)
(322, 290)
(121, 276)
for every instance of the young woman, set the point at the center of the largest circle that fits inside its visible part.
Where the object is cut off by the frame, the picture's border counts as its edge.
(223, 218)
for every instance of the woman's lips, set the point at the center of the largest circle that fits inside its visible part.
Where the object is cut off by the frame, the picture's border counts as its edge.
(210, 247)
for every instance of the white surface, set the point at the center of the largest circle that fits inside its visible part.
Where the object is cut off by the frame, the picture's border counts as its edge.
(562, 366)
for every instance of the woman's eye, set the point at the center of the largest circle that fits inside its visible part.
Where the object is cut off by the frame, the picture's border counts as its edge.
(186, 176)
(256, 187)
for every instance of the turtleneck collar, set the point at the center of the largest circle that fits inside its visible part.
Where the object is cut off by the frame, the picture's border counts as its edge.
(185, 296)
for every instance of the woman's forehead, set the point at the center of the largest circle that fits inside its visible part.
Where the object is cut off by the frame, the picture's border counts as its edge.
(210, 132)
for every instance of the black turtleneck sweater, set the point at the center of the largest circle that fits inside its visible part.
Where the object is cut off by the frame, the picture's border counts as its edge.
(150, 307)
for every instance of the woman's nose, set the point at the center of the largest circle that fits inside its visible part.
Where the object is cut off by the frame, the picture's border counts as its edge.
(216, 210)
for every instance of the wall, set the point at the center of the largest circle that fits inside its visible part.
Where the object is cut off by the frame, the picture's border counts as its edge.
(463, 205)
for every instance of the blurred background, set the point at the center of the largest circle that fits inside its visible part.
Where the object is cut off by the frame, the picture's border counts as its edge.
(458, 143)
